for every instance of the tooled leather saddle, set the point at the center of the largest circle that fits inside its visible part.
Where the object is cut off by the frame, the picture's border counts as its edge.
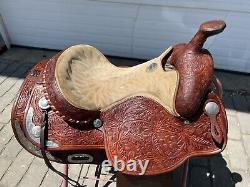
(77, 107)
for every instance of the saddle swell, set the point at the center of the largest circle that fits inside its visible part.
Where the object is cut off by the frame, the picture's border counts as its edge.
(196, 68)
(79, 108)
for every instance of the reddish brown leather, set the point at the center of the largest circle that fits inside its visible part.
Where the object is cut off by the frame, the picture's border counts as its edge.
(71, 138)
(131, 116)
(195, 67)
(142, 129)
(58, 103)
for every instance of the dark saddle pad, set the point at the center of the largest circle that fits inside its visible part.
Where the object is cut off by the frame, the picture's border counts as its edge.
(138, 127)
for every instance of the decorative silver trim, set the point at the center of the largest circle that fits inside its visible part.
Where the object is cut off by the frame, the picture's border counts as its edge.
(31, 128)
(80, 158)
(50, 143)
(36, 130)
(97, 123)
(211, 108)
(186, 122)
(43, 103)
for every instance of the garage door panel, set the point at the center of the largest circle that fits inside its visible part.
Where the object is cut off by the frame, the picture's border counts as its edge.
(145, 52)
(232, 64)
(232, 47)
(235, 5)
(138, 28)
(60, 7)
(82, 19)
(68, 23)
(58, 43)
(169, 26)
(178, 15)
(66, 34)
(88, 28)
(73, 36)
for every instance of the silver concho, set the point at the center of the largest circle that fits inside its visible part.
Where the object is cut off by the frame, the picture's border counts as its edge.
(80, 158)
(97, 123)
(36, 131)
(43, 104)
(211, 108)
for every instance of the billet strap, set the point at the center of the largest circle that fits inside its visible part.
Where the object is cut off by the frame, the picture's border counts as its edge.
(212, 109)
(44, 129)
(215, 128)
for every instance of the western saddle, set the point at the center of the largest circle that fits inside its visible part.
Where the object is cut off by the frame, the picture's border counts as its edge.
(77, 107)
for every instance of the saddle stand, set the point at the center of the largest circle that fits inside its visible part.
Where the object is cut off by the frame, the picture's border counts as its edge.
(78, 108)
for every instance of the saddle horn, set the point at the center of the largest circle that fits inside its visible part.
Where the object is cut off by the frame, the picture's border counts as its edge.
(195, 67)
(207, 29)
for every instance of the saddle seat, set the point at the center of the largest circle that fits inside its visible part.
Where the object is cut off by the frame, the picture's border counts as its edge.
(87, 80)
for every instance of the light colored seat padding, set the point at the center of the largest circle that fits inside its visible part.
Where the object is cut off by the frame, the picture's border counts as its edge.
(89, 81)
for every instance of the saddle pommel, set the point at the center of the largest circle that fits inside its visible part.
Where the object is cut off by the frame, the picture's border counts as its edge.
(195, 67)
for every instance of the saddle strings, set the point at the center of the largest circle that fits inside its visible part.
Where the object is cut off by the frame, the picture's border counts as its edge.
(44, 129)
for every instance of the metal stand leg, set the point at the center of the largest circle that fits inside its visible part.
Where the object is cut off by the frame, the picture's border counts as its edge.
(65, 172)
(185, 174)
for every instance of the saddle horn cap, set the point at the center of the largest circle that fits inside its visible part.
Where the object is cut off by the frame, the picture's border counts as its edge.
(207, 29)
(212, 27)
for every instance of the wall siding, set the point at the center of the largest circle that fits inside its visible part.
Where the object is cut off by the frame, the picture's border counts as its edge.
(138, 29)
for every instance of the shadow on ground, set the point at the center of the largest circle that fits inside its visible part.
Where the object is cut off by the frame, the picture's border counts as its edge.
(211, 172)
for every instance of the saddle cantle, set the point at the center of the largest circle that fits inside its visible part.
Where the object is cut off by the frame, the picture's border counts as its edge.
(77, 107)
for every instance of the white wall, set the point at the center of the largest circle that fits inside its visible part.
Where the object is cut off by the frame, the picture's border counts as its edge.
(130, 28)
(3, 34)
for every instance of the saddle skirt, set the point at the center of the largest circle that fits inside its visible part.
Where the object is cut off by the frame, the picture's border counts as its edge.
(138, 123)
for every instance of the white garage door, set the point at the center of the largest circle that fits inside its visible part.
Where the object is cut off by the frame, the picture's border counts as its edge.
(130, 28)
